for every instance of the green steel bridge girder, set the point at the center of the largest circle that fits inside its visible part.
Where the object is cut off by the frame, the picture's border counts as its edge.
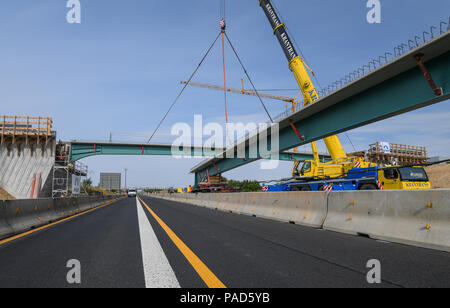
(80, 150)
(394, 89)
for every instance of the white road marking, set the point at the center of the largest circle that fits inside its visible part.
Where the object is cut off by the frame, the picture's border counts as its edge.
(384, 242)
(157, 270)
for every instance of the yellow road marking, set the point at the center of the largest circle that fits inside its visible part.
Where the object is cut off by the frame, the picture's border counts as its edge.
(202, 270)
(13, 238)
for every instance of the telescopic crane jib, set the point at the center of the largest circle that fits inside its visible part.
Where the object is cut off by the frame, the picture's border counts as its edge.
(300, 70)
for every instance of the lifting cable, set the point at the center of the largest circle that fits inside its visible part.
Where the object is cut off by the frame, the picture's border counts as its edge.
(185, 86)
(223, 26)
(248, 77)
(225, 35)
(348, 137)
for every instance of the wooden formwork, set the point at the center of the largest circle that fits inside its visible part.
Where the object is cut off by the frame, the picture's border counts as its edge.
(403, 154)
(31, 130)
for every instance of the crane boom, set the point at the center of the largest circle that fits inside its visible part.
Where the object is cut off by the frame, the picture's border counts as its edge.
(300, 71)
(239, 91)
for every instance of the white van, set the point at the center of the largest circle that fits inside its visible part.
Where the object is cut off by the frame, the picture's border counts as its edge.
(132, 193)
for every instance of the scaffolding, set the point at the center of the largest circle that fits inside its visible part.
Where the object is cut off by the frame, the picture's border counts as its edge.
(63, 170)
(384, 153)
(16, 129)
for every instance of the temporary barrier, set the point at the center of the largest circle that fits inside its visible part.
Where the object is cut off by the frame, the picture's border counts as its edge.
(17, 216)
(414, 217)
(5, 228)
(303, 208)
(419, 218)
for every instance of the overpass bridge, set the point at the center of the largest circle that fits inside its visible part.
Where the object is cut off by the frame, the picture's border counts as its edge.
(83, 149)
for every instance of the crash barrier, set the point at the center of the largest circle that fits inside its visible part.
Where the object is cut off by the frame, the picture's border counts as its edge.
(413, 217)
(17, 216)
(309, 210)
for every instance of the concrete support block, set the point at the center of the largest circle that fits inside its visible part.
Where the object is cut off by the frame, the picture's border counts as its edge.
(17, 216)
(419, 217)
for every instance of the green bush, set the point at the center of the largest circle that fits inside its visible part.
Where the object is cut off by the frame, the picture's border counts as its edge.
(246, 186)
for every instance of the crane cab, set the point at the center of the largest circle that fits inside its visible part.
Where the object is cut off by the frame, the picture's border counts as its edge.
(305, 169)
(403, 178)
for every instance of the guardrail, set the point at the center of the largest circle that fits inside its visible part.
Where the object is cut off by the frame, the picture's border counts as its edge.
(419, 217)
(17, 216)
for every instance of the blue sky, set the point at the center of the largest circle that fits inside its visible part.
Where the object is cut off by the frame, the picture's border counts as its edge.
(119, 70)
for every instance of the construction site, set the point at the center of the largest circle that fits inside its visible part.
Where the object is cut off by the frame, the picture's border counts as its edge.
(32, 163)
(368, 167)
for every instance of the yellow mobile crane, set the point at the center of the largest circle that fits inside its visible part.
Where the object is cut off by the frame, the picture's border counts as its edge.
(342, 173)
(340, 163)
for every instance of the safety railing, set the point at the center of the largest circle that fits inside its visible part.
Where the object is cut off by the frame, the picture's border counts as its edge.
(17, 126)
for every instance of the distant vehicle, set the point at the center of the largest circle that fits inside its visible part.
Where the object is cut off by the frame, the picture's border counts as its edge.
(132, 193)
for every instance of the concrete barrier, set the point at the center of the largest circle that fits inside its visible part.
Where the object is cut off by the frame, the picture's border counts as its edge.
(303, 208)
(419, 218)
(5, 228)
(415, 217)
(61, 208)
(23, 215)
(18, 216)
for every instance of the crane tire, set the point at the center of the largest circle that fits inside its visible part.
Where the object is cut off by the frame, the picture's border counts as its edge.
(368, 187)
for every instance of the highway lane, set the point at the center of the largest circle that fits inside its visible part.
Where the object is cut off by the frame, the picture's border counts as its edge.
(245, 251)
(105, 241)
(126, 245)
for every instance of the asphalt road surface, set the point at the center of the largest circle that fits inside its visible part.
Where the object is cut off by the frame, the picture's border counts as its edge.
(158, 243)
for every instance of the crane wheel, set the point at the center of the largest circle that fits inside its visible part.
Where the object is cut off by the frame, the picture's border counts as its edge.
(368, 187)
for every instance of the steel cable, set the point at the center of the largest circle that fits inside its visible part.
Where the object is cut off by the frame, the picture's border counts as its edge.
(185, 86)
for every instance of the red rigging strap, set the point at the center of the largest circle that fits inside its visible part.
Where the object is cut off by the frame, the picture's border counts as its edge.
(215, 167)
(437, 91)
(296, 131)
(223, 27)
(240, 154)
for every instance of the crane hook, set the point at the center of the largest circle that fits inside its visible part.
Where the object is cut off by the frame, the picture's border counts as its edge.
(223, 25)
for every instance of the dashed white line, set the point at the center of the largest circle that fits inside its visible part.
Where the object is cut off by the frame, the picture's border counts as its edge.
(157, 270)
